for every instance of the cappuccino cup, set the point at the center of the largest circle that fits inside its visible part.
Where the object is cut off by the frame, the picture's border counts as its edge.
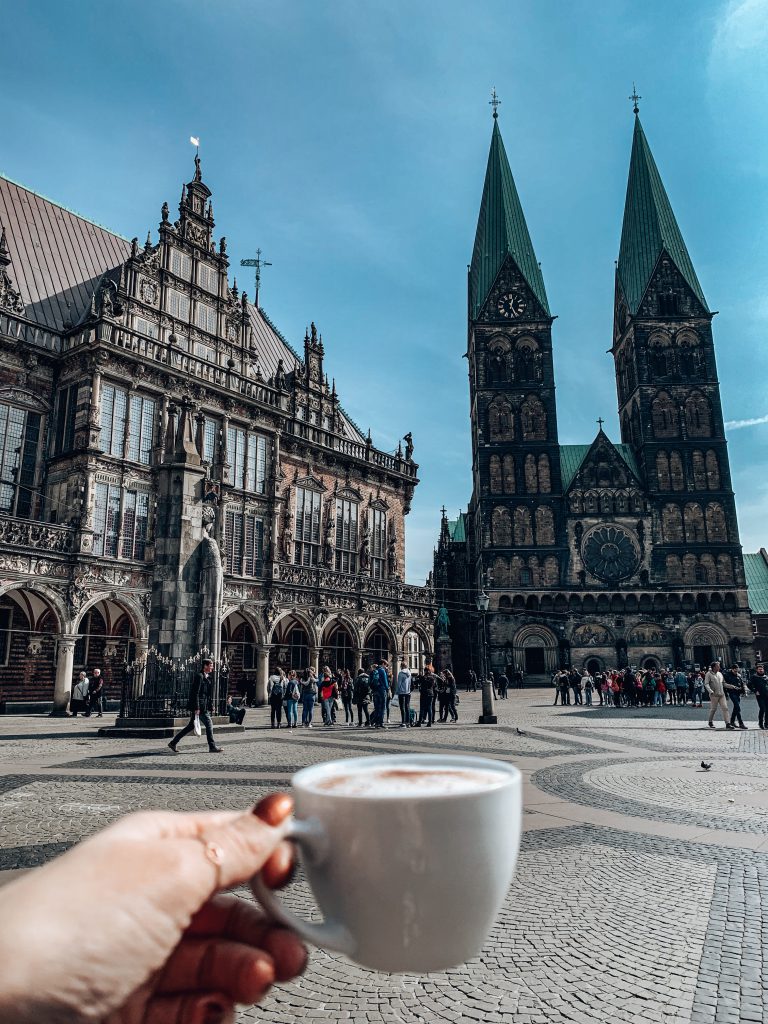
(409, 857)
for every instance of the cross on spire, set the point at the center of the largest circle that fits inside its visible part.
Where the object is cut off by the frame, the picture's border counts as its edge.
(258, 263)
(495, 102)
(600, 422)
(635, 99)
(443, 511)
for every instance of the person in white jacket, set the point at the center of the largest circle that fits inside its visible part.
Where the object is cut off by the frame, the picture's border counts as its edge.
(715, 687)
(403, 692)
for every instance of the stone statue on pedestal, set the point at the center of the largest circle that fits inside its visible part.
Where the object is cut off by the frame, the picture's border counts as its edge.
(211, 586)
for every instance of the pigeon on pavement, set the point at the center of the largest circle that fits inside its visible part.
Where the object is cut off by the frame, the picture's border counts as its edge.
(706, 766)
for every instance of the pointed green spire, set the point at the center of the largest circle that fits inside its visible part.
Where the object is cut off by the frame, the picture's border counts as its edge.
(649, 228)
(501, 231)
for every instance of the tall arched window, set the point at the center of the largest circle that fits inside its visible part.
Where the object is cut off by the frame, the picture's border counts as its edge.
(698, 417)
(545, 476)
(717, 530)
(671, 524)
(708, 568)
(502, 527)
(500, 572)
(664, 417)
(724, 569)
(531, 475)
(689, 568)
(509, 474)
(699, 474)
(551, 571)
(713, 471)
(662, 471)
(676, 474)
(690, 354)
(523, 529)
(494, 474)
(545, 525)
(674, 569)
(694, 523)
(534, 419)
(500, 423)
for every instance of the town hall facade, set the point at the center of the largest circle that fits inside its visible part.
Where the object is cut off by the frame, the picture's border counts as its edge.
(603, 554)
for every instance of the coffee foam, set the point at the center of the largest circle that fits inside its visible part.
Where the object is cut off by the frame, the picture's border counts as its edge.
(409, 781)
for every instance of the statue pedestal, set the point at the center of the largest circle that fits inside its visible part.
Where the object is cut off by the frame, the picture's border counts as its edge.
(443, 653)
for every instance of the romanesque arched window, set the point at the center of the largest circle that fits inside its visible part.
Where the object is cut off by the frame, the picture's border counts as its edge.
(662, 471)
(661, 356)
(500, 423)
(545, 477)
(523, 529)
(500, 572)
(674, 569)
(707, 563)
(636, 431)
(497, 356)
(534, 419)
(698, 417)
(495, 475)
(606, 504)
(693, 517)
(531, 475)
(724, 569)
(664, 416)
(691, 358)
(545, 525)
(712, 470)
(699, 473)
(526, 360)
(671, 524)
(502, 527)
(534, 571)
(717, 530)
(509, 474)
(551, 571)
(676, 474)
(689, 568)
(516, 567)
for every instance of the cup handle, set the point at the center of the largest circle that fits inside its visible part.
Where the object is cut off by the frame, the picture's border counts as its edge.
(313, 840)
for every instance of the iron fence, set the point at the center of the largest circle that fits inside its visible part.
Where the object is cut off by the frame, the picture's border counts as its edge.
(155, 686)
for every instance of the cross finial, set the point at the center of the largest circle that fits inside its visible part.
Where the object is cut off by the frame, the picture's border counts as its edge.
(495, 102)
(600, 422)
(443, 511)
(635, 99)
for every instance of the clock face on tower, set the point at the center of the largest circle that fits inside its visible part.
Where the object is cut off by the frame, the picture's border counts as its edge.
(510, 305)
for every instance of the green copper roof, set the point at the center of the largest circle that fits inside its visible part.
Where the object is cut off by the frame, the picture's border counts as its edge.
(501, 231)
(649, 227)
(756, 572)
(572, 456)
(457, 529)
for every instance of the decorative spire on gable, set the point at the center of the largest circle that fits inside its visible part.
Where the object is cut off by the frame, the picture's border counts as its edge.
(10, 297)
(649, 227)
(196, 210)
(501, 229)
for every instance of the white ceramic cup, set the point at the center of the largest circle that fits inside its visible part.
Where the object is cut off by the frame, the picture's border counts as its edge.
(406, 883)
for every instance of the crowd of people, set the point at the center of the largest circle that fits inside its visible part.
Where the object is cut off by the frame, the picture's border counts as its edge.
(367, 698)
(654, 687)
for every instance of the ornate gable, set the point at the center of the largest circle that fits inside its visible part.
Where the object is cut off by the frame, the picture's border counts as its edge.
(668, 293)
(511, 300)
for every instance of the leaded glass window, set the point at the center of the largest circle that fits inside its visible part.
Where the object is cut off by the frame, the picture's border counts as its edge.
(19, 438)
(135, 524)
(243, 543)
(177, 304)
(307, 546)
(114, 406)
(346, 535)
(141, 428)
(106, 519)
(378, 524)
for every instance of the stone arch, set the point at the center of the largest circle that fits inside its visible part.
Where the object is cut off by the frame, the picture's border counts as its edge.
(508, 474)
(301, 619)
(690, 353)
(251, 615)
(339, 643)
(698, 415)
(500, 420)
(45, 596)
(536, 649)
(662, 471)
(693, 517)
(661, 355)
(385, 627)
(127, 604)
(533, 419)
(712, 466)
(340, 619)
(545, 475)
(34, 616)
(676, 473)
(545, 525)
(705, 642)
(717, 528)
(241, 636)
(425, 640)
(501, 527)
(671, 524)
(523, 531)
(664, 416)
(699, 472)
(494, 475)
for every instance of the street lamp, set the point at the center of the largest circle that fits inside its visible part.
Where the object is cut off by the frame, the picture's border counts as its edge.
(488, 717)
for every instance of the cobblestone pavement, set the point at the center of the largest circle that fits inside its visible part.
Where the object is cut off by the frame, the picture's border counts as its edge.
(641, 882)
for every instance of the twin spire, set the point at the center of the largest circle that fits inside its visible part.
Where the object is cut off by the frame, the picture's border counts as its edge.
(649, 228)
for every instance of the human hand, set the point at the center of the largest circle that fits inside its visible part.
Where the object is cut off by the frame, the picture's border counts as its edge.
(130, 926)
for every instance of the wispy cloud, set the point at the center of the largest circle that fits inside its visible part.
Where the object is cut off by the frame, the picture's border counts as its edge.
(742, 27)
(738, 424)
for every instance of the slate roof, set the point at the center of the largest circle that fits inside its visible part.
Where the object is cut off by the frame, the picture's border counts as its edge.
(501, 230)
(58, 259)
(649, 227)
(572, 456)
(756, 572)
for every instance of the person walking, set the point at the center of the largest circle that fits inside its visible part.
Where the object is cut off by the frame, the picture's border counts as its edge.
(450, 696)
(427, 691)
(361, 694)
(292, 694)
(308, 695)
(715, 687)
(472, 681)
(442, 697)
(734, 688)
(759, 685)
(403, 693)
(200, 705)
(96, 694)
(276, 697)
(346, 692)
(80, 695)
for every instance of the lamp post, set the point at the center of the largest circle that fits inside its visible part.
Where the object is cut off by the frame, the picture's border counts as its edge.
(488, 717)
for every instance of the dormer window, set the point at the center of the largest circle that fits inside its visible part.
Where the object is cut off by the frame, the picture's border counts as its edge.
(181, 264)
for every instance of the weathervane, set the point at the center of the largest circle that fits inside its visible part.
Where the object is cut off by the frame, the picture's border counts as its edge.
(258, 263)
(495, 102)
(634, 97)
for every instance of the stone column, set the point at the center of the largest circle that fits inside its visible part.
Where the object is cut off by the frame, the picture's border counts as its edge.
(65, 661)
(314, 660)
(262, 674)
(141, 646)
(358, 658)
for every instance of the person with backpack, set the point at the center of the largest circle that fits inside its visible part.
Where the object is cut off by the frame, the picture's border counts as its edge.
(346, 692)
(361, 693)
(403, 693)
(292, 694)
(276, 697)
(308, 695)
(379, 686)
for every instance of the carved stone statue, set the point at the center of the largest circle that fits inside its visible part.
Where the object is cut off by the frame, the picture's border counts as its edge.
(442, 622)
(280, 375)
(328, 526)
(286, 537)
(365, 548)
(408, 446)
(211, 586)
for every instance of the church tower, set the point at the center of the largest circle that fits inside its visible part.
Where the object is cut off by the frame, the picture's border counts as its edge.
(668, 391)
(516, 504)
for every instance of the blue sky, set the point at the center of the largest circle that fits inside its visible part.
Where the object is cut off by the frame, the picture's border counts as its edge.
(348, 140)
